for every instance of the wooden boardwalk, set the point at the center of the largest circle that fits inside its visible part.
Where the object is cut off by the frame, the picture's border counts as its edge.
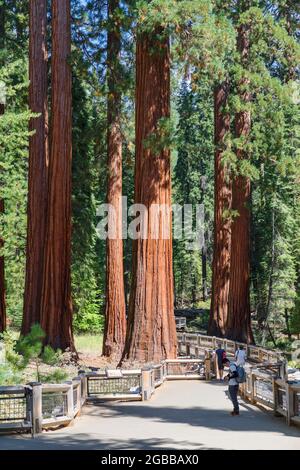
(180, 415)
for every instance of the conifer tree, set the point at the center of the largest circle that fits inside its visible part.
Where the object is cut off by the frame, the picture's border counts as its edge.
(151, 334)
(115, 310)
(222, 219)
(56, 316)
(38, 164)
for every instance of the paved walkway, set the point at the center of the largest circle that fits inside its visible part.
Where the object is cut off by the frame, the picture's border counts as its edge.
(181, 415)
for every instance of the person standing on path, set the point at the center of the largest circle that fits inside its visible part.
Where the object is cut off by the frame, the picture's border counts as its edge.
(233, 386)
(240, 356)
(220, 356)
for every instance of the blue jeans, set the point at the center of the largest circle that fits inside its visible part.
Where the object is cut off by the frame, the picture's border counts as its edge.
(233, 393)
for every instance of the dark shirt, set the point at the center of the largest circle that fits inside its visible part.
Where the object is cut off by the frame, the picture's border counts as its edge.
(220, 354)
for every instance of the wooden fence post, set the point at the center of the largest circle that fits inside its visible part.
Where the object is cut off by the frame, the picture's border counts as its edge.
(165, 370)
(70, 399)
(207, 365)
(146, 383)
(275, 395)
(36, 409)
(289, 403)
(283, 370)
(252, 386)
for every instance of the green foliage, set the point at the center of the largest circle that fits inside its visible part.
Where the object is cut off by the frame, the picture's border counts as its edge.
(162, 138)
(294, 364)
(295, 317)
(30, 346)
(85, 266)
(201, 322)
(18, 354)
(57, 376)
(193, 184)
(51, 357)
(11, 369)
(13, 183)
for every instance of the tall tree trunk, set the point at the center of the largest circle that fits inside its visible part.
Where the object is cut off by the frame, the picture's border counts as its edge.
(151, 333)
(239, 321)
(115, 311)
(2, 272)
(56, 317)
(222, 219)
(38, 164)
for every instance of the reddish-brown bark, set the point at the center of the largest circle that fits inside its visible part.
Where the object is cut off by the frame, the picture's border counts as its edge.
(38, 164)
(222, 220)
(115, 311)
(56, 318)
(239, 322)
(2, 271)
(151, 333)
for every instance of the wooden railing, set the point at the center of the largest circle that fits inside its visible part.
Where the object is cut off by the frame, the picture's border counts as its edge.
(40, 406)
(263, 387)
(180, 323)
(188, 341)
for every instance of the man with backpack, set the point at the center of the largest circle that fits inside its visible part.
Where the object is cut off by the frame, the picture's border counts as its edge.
(235, 377)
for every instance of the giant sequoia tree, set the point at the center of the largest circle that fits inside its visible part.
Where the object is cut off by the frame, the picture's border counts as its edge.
(115, 311)
(38, 164)
(222, 218)
(56, 319)
(239, 322)
(151, 333)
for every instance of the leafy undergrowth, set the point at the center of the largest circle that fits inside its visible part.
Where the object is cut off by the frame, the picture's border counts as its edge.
(27, 361)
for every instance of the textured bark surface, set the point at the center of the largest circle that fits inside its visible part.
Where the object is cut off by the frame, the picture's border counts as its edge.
(57, 303)
(38, 164)
(151, 333)
(115, 310)
(2, 271)
(239, 322)
(222, 223)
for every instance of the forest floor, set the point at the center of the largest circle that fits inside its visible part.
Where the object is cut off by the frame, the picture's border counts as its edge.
(180, 415)
(89, 349)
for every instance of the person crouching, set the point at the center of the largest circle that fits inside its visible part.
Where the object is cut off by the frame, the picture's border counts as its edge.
(233, 386)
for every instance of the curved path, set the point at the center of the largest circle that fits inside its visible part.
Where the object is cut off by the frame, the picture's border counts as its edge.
(180, 415)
